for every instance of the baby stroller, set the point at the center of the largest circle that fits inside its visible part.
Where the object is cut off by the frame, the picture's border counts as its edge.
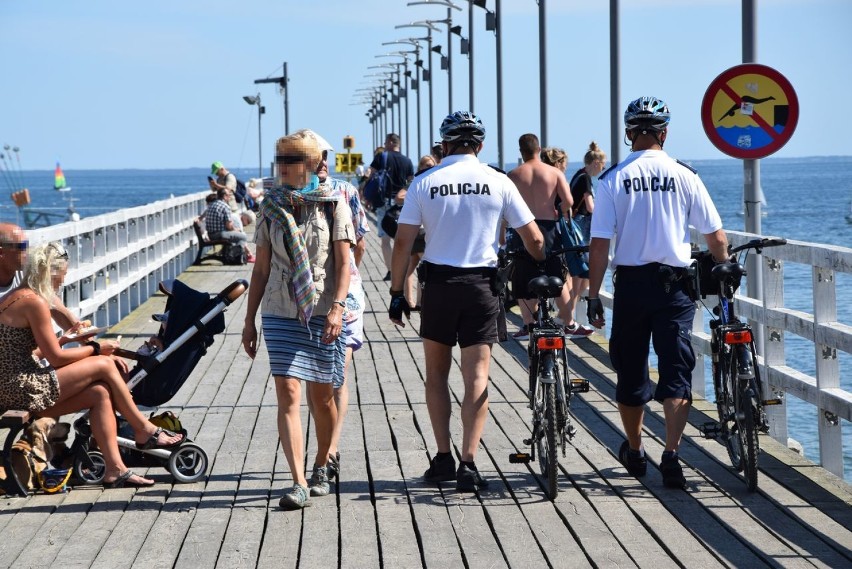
(191, 320)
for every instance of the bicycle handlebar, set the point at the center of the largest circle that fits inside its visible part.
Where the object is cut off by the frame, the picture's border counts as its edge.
(758, 244)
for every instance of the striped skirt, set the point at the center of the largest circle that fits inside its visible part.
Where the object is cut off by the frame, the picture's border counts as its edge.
(295, 352)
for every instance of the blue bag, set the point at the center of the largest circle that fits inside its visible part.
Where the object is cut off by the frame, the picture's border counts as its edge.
(375, 190)
(571, 235)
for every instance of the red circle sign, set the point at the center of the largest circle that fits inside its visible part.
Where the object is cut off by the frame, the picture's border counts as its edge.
(750, 111)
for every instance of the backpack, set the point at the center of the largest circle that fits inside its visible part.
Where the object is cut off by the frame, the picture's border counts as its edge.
(377, 187)
(233, 254)
(241, 195)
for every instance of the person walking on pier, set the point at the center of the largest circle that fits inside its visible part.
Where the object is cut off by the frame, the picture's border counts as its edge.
(540, 185)
(461, 204)
(353, 316)
(303, 235)
(399, 171)
(647, 202)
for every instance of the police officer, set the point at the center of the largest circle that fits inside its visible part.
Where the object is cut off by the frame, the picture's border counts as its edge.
(461, 204)
(648, 202)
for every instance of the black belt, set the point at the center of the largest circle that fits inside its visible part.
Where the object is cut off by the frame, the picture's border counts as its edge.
(651, 268)
(451, 270)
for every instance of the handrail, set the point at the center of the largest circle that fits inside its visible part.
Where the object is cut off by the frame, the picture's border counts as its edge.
(116, 260)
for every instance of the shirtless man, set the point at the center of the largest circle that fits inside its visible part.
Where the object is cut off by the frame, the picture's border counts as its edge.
(539, 184)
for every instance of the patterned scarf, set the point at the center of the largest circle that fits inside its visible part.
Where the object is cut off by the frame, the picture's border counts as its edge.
(278, 206)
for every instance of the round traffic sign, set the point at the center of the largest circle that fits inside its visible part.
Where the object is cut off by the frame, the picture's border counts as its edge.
(750, 111)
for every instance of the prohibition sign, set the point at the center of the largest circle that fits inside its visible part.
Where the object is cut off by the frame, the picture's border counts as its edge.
(750, 111)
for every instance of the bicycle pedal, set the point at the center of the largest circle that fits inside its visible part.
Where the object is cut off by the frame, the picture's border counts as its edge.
(773, 402)
(519, 458)
(579, 385)
(710, 430)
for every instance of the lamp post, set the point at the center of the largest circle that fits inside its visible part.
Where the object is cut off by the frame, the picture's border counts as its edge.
(389, 95)
(282, 82)
(491, 24)
(403, 91)
(542, 62)
(427, 73)
(255, 100)
(415, 83)
(449, 22)
(464, 48)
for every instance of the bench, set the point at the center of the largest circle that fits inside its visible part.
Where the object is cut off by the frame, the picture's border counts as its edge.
(16, 421)
(204, 243)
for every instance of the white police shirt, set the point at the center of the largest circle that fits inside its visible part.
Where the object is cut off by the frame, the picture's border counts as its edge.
(648, 202)
(461, 203)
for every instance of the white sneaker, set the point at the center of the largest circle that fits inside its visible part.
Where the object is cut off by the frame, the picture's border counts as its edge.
(578, 331)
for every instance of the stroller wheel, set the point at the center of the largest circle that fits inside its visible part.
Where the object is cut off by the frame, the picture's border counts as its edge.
(90, 468)
(188, 463)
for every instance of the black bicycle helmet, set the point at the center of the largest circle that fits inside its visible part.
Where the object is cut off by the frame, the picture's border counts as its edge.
(647, 113)
(462, 126)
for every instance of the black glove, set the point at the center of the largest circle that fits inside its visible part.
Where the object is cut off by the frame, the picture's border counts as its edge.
(398, 306)
(594, 309)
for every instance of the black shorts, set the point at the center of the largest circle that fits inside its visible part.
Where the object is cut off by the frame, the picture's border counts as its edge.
(458, 306)
(643, 311)
(525, 267)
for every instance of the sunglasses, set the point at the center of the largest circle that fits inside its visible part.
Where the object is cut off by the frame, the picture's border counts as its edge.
(289, 159)
(61, 253)
(20, 246)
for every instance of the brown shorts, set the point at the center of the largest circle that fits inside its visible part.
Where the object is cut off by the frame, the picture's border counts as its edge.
(458, 306)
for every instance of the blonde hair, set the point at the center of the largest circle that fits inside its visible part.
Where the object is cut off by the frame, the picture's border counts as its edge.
(426, 161)
(42, 263)
(552, 156)
(303, 143)
(594, 153)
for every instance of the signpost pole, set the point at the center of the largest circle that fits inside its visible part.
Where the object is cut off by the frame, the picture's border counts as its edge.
(751, 177)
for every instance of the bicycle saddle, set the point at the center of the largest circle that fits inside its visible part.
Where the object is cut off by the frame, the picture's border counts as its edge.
(546, 287)
(725, 271)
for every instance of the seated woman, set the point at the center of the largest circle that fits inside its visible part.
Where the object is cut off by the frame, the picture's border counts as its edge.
(76, 378)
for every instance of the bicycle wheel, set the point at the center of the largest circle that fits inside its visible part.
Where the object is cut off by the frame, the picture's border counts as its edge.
(726, 406)
(748, 434)
(547, 457)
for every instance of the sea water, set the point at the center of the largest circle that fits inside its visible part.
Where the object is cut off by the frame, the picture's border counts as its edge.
(807, 199)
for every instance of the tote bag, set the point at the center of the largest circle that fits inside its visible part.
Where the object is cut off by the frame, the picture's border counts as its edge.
(571, 236)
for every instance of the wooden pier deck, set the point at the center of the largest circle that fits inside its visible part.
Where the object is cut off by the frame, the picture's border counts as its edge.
(382, 514)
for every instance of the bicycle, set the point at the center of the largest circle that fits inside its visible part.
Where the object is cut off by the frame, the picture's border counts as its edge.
(550, 387)
(736, 379)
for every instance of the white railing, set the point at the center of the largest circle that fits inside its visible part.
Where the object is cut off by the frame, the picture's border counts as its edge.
(829, 336)
(116, 260)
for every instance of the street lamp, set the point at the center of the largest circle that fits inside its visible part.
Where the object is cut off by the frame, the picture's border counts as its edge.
(403, 92)
(542, 66)
(449, 22)
(389, 95)
(282, 83)
(492, 23)
(427, 73)
(415, 83)
(255, 100)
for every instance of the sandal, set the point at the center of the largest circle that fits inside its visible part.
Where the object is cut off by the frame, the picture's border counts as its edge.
(152, 443)
(124, 481)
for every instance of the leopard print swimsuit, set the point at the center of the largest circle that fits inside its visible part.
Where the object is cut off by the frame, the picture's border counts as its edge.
(24, 383)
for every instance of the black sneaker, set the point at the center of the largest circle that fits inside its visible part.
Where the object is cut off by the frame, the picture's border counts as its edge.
(672, 472)
(636, 465)
(469, 480)
(523, 333)
(442, 468)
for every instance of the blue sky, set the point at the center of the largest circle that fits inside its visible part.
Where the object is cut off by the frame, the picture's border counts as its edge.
(105, 84)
